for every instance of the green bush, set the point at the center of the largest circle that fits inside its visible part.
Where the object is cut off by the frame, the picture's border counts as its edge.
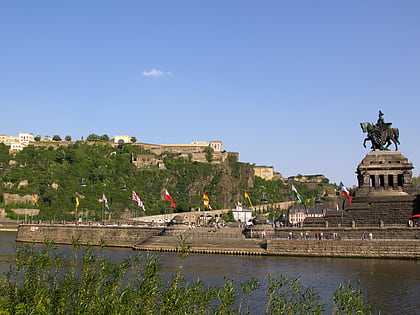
(44, 281)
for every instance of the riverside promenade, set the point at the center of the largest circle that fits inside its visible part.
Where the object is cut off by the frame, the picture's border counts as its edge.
(261, 241)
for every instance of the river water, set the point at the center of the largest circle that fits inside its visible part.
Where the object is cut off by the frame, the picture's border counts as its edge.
(392, 286)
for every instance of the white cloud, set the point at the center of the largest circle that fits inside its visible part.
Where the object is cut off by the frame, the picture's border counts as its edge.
(155, 73)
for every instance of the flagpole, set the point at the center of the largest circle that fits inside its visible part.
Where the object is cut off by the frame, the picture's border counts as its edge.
(164, 210)
(131, 208)
(75, 213)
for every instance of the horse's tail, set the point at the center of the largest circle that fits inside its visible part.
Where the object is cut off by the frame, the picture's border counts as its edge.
(396, 133)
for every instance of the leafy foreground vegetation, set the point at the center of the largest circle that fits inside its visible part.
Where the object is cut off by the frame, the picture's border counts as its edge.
(44, 281)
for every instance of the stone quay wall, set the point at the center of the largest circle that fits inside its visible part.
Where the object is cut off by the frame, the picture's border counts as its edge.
(119, 236)
(403, 249)
(386, 233)
(156, 239)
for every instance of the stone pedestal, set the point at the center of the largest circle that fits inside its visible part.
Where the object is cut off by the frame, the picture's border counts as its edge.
(384, 173)
(385, 196)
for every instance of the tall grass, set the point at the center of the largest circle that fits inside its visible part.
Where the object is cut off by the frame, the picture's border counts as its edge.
(44, 281)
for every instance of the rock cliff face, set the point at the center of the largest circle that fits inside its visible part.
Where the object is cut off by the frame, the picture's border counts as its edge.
(232, 182)
(15, 198)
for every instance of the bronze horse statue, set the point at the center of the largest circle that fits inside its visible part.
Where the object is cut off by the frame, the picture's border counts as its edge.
(380, 135)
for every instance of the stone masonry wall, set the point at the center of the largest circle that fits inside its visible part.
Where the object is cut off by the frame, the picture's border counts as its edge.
(94, 235)
(330, 248)
(388, 233)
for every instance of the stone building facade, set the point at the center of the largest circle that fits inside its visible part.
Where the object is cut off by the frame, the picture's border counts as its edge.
(122, 139)
(384, 171)
(266, 172)
(17, 143)
(144, 160)
(193, 147)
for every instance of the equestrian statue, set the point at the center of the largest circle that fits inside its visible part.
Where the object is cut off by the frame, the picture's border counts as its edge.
(381, 135)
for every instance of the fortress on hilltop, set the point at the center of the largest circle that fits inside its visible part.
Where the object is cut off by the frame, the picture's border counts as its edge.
(197, 151)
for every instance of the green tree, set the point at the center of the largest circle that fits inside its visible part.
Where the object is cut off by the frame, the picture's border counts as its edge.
(228, 217)
(93, 137)
(67, 138)
(56, 138)
(104, 137)
(209, 153)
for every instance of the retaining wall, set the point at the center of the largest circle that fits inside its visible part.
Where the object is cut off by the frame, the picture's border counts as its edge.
(128, 236)
(404, 249)
(396, 233)
(121, 236)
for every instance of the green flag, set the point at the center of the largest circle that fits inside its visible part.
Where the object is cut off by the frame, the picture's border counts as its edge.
(297, 195)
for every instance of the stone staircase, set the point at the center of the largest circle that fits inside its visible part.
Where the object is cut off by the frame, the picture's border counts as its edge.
(205, 240)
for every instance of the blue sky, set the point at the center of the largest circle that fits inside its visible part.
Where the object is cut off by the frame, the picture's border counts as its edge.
(284, 83)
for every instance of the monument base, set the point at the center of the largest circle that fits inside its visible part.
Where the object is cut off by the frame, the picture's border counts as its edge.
(385, 196)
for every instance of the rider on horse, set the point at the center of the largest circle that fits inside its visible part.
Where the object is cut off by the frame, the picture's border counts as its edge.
(380, 134)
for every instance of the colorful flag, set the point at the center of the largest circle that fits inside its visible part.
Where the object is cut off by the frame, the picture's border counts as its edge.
(77, 203)
(169, 198)
(206, 201)
(297, 195)
(35, 200)
(345, 192)
(138, 200)
(105, 201)
(249, 199)
(239, 206)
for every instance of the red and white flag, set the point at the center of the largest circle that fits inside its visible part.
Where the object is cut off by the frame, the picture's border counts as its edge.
(169, 198)
(105, 201)
(239, 206)
(346, 193)
(138, 200)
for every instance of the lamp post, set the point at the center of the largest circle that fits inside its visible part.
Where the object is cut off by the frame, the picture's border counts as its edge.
(82, 184)
(124, 188)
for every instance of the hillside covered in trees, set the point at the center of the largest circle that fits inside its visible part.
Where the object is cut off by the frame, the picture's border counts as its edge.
(58, 174)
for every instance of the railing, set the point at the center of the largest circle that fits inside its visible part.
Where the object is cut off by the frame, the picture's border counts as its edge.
(209, 234)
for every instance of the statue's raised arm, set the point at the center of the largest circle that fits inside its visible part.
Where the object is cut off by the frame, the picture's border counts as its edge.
(380, 135)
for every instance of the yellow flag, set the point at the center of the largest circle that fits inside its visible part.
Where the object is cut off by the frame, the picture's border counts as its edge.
(34, 199)
(206, 200)
(249, 199)
(77, 202)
